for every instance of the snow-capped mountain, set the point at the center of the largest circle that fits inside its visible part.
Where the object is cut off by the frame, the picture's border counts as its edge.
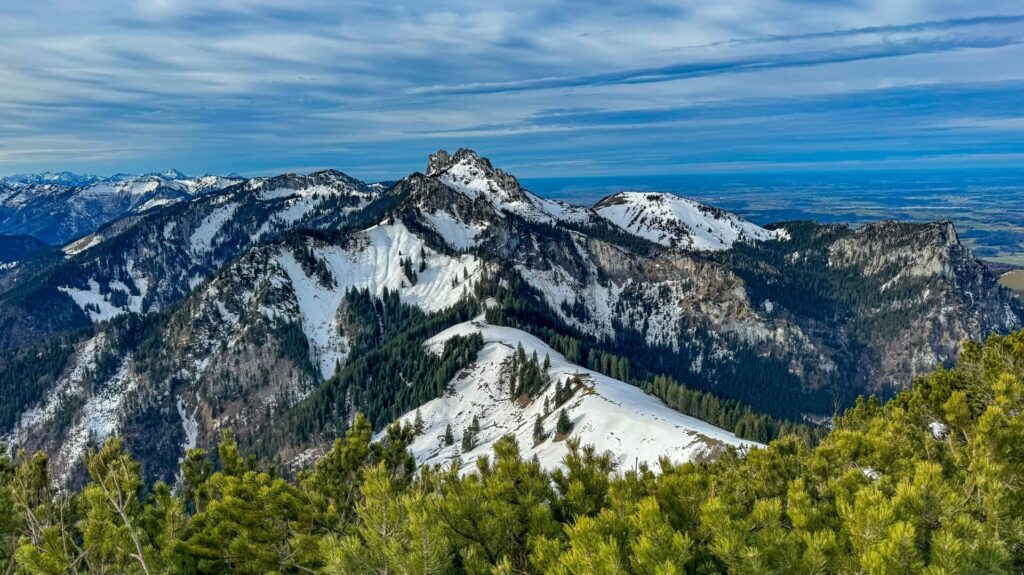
(608, 414)
(680, 223)
(56, 208)
(66, 179)
(279, 307)
(144, 262)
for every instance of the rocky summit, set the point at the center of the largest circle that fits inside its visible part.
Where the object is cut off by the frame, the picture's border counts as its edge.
(648, 325)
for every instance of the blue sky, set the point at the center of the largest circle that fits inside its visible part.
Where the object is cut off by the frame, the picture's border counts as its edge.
(543, 88)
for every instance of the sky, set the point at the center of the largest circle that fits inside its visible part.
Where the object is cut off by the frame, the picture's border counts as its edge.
(545, 89)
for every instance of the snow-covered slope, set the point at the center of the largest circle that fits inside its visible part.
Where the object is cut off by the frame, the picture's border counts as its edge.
(678, 222)
(60, 207)
(254, 281)
(373, 262)
(609, 414)
(474, 176)
(173, 251)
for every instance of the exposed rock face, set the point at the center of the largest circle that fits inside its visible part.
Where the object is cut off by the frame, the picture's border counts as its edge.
(242, 308)
(944, 294)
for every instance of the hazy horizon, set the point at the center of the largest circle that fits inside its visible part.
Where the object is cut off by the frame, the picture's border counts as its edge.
(573, 89)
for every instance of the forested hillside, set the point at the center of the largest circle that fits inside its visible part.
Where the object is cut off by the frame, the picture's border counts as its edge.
(280, 307)
(931, 482)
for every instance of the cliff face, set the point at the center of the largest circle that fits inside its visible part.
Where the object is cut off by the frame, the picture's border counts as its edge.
(278, 308)
(930, 287)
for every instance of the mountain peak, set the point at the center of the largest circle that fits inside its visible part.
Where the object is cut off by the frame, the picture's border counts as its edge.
(172, 174)
(441, 161)
(473, 175)
(677, 222)
(65, 178)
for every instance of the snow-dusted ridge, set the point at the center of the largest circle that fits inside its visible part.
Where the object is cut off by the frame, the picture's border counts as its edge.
(611, 415)
(677, 222)
(374, 262)
(473, 175)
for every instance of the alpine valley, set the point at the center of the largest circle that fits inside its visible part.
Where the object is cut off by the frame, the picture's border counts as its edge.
(166, 310)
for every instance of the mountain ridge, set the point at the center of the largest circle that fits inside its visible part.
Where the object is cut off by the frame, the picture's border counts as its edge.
(279, 307)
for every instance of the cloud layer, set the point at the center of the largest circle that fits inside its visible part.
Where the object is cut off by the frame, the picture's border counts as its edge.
(573, 88)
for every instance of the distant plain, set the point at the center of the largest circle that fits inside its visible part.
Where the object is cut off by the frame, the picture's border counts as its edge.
(987, 207)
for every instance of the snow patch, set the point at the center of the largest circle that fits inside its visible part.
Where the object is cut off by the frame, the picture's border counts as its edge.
(611, 415)
(80, 245)
(680, 223)
(97, 420)
(201, 240)
(374, 263)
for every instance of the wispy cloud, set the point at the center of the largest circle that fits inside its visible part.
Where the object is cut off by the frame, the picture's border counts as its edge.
(685, 70)
(927, 26)
(574, 87)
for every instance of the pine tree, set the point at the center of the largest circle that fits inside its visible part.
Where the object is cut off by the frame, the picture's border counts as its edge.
(417, 426)
(468, 439)
(112, 530)
(394, 534)
(10, 519)
(449, 437)
(538, 430)
(334, 483)
(564, 425)
(470, 433)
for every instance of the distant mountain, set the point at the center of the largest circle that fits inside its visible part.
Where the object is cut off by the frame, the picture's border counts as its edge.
(56, 208)
(65, 179)
(279, 307)
(680, 223)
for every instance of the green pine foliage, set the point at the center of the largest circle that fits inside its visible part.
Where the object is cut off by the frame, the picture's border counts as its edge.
(27, 374)
(528, 376)
(564, 425)
(469, 434)
(932, 482)
(764, 387)
(388, 373)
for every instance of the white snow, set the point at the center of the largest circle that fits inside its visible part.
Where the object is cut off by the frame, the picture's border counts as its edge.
(472, 178)
(458, 234)
(103, 309)
(97, 420)
(611, 415)
(93, 296)
(188, 423)
(156, 203)
(80, 245)
(66, 387)
(678, 222)
(319, 190)
(373, 263)
(202, 237)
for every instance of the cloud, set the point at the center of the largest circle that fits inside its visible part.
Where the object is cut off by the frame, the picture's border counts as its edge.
(950, 24)
(685, 70)
(573, 87)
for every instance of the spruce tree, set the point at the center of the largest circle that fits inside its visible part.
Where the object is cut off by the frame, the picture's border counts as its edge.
(417, 425)
(564, 425)
(538, 429)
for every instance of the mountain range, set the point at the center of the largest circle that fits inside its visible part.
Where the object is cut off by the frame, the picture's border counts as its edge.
(168, 309)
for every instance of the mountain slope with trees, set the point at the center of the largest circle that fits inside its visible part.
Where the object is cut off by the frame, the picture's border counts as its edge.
(281, 307)
(931, 482)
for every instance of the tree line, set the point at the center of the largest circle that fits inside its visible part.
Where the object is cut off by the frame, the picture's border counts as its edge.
(932, 482)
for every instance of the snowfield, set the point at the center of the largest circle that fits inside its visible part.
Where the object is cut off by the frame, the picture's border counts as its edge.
(375, 264)
(677, 222)
(611, 415)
